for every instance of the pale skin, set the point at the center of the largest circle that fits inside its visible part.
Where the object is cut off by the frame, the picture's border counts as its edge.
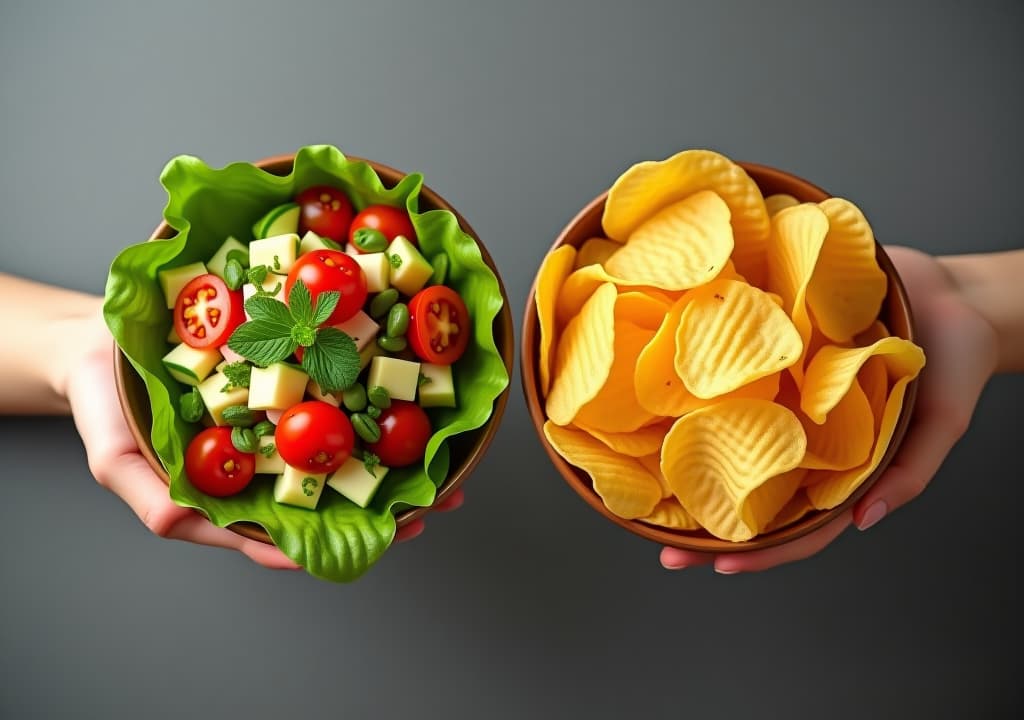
(63, 364)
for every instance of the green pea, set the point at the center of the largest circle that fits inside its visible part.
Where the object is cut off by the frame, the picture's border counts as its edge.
(238, 416)
(264, 427)
(380, 304)
(373, 411)
(355, 398)
(440, 264)
(392, 344)
(244, 440)
(398, 320)
(366, 427)
(370, 240)
(191, 406)
(379, 396)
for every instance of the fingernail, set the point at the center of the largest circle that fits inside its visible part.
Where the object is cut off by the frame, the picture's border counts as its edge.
(675, 566)
(874, 513)
(724, 571)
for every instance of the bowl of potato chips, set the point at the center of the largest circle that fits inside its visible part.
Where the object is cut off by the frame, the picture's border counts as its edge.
(719, 356)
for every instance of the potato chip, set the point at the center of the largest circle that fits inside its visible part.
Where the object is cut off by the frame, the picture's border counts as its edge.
(846, 437)
(669, 513)
(683, 245)
(582, 283)
(729, 463)
(638, 443)
(583, 356)
(615, 408)
(798, 506)
(847, 288)
(653, 464)
(833, 369)
(875, 332)
(552, 274)
(874, 379)
(595, 251)
(647, 187)
(626, 487)
(641, 309)
(731, 334)
(779, 201)
(659, 390)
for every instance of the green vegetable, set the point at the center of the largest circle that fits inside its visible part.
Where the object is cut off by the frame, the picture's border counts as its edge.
(238, 375)
(244, 439)
(379, 396)
(370, 461)
(258, 274)
(264, 427)
(354, 398)
(234, 273)
(373, 411)
(366, 427)
(242, 258)
(238, 416)
(423, 380)
(370, 240)
(191, 406)
(267, 450)
(392, 344)
(382, 303)
(440, 265)
(395, 260)
(398, 320)
(330, 243)
(277, 261)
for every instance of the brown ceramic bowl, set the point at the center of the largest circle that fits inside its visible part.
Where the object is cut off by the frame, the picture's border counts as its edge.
(467, 449)
(895, 314)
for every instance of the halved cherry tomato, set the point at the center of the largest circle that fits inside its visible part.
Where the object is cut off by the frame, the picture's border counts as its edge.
(439, 325)
(404, 432)
(207, 312)
(314, 436)
(325, 210)
(323, 270)
(215, 466)
(389, 220)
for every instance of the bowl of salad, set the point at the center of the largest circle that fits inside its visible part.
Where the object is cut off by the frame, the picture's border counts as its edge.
(311, 350)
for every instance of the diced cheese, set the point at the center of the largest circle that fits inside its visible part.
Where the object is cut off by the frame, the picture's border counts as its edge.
(276, 387)
(219, 260)
(277, 253)
(313, 390)
(377, 269)
(361, 328)
(310, 242)
(409, 270)
(173, 280)
(437, 388)
(272, 463)
(398, 377)
(298, 488)
(211, 390)
(357, 483)
(191, 365)
(350, 249)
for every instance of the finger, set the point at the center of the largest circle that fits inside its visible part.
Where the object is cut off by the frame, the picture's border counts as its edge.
(197, 529)
(676, 559)
(798, 549)
(408, 532)
(452, 502)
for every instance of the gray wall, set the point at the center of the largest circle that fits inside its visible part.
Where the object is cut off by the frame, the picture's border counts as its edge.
(524, 603)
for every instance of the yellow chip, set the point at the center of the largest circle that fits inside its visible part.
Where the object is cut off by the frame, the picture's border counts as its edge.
(798, 506)
(779, 201)
(669, 513)
(641, 309)
(582, 283)
(875, 332)
(731, 334)
(615, 408)
(833, 369)
(639, 443)
(729, 463)
(847, 288)
(647, 187)
(845, 439)
(659, 390)
(653, 464)
(683, 245)
(583, 358)
(595, 251)
(874, 379)
(798, 234)
(553, 272)
(626, 487)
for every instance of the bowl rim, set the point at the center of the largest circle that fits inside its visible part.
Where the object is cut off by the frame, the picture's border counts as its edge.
(502, 326)
(581, 483)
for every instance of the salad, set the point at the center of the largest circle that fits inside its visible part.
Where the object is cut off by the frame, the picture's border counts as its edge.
(309, 344)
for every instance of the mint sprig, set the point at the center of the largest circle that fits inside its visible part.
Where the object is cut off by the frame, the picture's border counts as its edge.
(277, 330)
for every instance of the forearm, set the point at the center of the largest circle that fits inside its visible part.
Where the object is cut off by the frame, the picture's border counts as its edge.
(47, 327)
(993, 284)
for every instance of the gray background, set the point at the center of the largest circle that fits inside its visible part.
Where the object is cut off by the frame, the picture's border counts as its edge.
(525, 603)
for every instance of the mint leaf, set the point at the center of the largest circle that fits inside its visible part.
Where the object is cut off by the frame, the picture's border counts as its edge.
(325, 304)
(191, 406)
(303, 335)
(423, 380)
(270, 310)
(267, 450)
(332, 361)
(262, 342)
(300, 303)
(370, 461)
(238, 374)
(258, 274)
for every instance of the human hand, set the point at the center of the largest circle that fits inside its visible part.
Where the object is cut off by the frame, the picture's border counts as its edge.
(962, 351)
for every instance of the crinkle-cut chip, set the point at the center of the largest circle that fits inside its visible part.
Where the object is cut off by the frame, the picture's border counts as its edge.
(642, 309)
(615, 408)
(848, 287)
(798, 234)
(874, 332)
(832, 370)
(797, 507)
(731, 334)
(552, 274)
(669, 513)
(659, 389)
(582, 283)
(729, 273)
(729, 463)
(779, 201)
(827, 489)
(647, 187)
(583, 357)
(626, 487)
(845, 439)
(874, 379)
(653, 464)
(638, 443)
(683, 245)
(595, 251)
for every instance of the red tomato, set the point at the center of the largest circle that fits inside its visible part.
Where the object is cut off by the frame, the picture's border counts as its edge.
(389, 220)
(314, 436)
(207, 312)
(404, 431)
(323, 270)
(439, 325)
(214, 466)
(326, 211)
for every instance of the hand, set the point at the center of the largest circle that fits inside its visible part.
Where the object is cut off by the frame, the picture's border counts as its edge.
(962, 350)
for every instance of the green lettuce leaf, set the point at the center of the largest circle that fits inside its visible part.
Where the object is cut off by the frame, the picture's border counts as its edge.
(338, 541)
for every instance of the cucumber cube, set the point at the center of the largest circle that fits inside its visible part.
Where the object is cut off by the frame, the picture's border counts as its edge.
(437, 388)
(215, 399)
(191, 365)
(310, 242)
(219, 260)
(409, 270)
(173, 280)
(279, 221)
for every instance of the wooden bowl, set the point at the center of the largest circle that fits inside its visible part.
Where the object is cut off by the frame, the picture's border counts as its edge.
(467, 449)
(895, 313)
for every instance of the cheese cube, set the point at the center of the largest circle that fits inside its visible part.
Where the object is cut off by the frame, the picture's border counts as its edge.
(211, 390)
(271, 463)
(277, 253)
(361, 328)
(398, 377)
(357, 483)
(437, 388)
(409, 270)
(299, 488)
(173, 280)
(311, 241)
(276, 387)
(377, 269)
(219, 261)
(313, 390)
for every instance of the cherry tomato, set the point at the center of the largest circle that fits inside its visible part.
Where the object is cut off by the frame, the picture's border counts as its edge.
(389, 220)
(404, 431)
(326, 211)
(207, 312)
(439, 325)
(323, 270)
(215, 466)
(314, 436)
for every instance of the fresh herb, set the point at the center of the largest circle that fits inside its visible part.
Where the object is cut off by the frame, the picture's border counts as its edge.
(191, 406)
(395, 260)
(379, 396)
(276, 330)
(238, 375)
(423, 380)
(263, 427)
(238, 416)
(330, 243)
(258, 274)
(369, 240)
(268, 449)
(234, 274)
(277, 263)
(370, 461)
(244, 439)
(239, 256)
